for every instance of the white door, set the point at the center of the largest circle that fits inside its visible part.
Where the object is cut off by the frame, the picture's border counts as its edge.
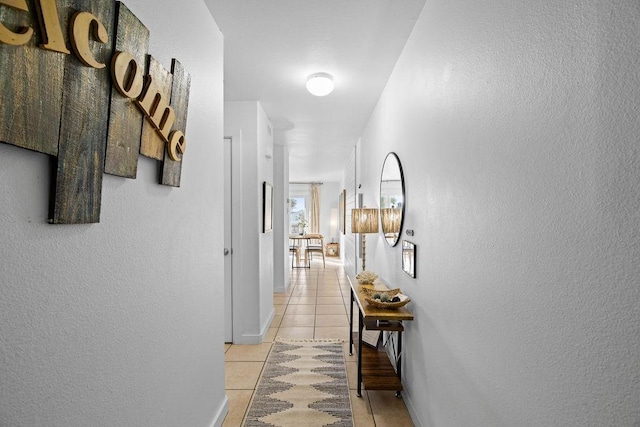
(228, 248)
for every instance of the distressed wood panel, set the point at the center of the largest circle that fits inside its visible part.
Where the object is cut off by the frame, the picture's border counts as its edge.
(125, 119)
(151, 144)
(171, 169)
(83, 132)
(31, 85)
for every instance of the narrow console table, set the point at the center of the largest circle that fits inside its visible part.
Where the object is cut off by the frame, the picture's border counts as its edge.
(375, 370)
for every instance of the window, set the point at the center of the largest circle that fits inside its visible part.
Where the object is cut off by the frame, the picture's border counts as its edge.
(297, 211)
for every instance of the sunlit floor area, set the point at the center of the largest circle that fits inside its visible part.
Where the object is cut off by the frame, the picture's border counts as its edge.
(315, 306)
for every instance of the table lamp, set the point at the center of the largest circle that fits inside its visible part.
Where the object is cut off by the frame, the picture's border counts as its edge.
(390, 222)
(364, 221)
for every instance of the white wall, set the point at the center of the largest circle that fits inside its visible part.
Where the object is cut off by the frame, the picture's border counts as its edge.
(118, 323)
(265, 167)
(253, 287)
(348, 240)
(517, 127)
(281, 269)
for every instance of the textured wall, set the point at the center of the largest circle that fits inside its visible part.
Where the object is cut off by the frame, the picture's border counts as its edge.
(115, 323)
(517, 126)
(281, 264)
(265, 173)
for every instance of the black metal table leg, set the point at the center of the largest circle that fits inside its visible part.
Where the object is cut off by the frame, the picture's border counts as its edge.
(353, 299)
(360, 329)
(399, 362)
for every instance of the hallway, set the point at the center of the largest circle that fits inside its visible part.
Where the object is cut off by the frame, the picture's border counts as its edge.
(315, 307)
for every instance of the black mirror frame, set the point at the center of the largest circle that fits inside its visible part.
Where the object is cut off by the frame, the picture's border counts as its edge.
(404, 198)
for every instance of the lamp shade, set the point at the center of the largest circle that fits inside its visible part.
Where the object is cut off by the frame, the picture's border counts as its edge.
(390, 220)
(320, 84)
(364, 220)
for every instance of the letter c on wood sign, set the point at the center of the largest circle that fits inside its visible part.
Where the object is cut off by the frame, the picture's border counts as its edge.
(81, 24)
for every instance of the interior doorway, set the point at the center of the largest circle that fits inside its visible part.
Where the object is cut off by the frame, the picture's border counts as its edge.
(228, 239)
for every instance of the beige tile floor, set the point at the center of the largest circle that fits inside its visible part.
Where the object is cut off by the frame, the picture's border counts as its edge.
(315, 306)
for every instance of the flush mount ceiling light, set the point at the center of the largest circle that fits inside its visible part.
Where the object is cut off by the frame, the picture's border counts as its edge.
(320, 84)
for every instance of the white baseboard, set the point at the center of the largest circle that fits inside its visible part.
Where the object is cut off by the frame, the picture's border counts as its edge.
(283, 288)
(222, 412)
(259, 338)
(411, 408)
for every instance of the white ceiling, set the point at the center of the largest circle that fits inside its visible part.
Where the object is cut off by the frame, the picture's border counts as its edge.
(271, 46)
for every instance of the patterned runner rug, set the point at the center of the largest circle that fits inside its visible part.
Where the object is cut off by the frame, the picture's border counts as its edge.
(304, 383)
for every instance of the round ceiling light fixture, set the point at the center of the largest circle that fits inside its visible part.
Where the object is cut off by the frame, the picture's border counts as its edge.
(320, 84)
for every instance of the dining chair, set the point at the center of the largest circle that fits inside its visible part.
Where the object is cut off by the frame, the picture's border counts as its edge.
(294, 250)
(316, 244)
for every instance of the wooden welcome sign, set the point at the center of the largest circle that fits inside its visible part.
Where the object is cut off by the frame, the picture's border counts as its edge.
(77, 83)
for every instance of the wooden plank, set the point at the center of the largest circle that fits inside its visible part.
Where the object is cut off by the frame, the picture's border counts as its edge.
(151, 144)
(125, 119)
(83, 132)
(31, 85)
(171, 169)
(377, 371)
(383, 325)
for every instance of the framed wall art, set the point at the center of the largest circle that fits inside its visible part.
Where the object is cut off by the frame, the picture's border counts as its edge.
(371, 338)
(409, 258)
(267, 207)
(342, 211)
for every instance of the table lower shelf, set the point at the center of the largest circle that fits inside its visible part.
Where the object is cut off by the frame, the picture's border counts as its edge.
(377, 371)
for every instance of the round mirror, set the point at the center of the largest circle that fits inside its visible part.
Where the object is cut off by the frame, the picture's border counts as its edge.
(391, 199)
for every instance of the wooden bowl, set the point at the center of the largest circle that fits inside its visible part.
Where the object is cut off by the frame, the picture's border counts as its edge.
(389, 305)
(370, 292)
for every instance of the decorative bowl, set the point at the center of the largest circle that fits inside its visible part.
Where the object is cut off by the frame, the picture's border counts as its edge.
(370, 292)
(366, 277)
(389, 305)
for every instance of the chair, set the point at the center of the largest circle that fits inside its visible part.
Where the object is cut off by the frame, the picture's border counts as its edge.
(294, 249)
(316, 244)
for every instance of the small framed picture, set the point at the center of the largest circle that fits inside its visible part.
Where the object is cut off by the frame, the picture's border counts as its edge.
(267, 207)
(409, 258)
(371, 338)
(342, 211)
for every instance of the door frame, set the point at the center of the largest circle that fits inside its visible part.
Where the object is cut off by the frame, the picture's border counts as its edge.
(232, 209)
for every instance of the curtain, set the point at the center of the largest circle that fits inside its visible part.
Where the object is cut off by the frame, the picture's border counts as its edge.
(314, 212)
